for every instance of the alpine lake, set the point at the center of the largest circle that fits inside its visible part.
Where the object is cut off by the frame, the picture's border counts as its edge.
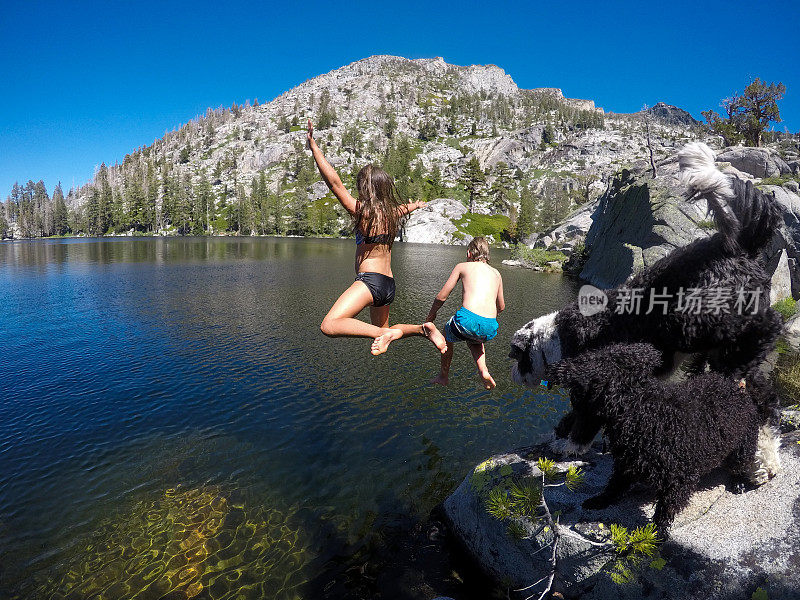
(175, 425)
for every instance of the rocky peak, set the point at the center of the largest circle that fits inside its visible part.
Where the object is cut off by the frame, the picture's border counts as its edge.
(672, 115)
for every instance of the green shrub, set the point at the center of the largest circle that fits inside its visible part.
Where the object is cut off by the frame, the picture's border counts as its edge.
(787, 376)
(777, 180)
(707, 225)
(787, 307)
(473, 225)
(536, 257)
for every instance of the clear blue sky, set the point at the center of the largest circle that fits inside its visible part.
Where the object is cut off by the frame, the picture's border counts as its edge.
(86, 82)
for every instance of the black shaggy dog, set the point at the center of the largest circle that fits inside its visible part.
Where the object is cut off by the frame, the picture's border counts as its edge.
(666, 435)
(713, 269)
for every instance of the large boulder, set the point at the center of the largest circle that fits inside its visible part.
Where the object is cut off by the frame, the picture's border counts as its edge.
(566, 234)
(639, 220)
(758, 162)
(791, 332)
(433, 224)
(722, 546)
(788, 238)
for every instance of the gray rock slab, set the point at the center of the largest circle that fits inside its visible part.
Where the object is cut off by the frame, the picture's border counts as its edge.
(792, 332)
(723, 546)
(758, 162)
(433, 224)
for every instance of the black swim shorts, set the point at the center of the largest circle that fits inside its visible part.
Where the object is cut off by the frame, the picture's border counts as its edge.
(380, 286)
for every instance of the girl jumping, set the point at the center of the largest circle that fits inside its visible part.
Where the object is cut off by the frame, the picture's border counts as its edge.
(377, 215)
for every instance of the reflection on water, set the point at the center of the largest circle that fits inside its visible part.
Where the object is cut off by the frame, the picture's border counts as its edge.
(186, 379)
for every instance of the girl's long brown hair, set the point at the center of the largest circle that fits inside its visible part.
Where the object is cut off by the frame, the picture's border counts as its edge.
(378, 206)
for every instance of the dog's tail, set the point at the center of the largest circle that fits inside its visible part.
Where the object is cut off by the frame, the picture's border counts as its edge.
(758, 214)
(744, 215)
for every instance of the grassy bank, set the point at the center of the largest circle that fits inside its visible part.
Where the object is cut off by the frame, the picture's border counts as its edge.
(537, 257)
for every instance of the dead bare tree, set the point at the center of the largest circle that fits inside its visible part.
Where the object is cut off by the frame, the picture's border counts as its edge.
(647, 116)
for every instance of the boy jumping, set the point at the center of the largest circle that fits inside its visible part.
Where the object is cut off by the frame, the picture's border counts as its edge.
(476, 321)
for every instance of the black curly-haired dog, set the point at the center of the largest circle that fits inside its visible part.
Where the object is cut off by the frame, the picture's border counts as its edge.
(666, 435)
(730, 343)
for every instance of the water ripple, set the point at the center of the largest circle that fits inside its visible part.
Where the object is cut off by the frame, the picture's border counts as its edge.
(134, 367)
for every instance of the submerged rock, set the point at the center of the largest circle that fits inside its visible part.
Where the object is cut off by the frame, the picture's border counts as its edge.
(722, 546)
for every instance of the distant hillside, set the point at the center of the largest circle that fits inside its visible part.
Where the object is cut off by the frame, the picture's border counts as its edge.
(530, 156)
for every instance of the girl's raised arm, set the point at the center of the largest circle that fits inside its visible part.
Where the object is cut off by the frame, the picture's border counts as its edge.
(329, 174)
(404, 209)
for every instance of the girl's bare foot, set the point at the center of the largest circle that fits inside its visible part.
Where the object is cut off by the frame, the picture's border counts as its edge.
(488, 382)
(435, 336)
(440, 380)
(381, 343)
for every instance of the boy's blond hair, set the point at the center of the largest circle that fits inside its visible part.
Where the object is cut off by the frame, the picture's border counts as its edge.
(479, 249)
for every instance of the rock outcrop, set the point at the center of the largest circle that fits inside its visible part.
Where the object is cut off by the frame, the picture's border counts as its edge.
(758, 162)
(433, 224)
(566, 234)
(672, 115)
(723, 546)
(792, 332)
(639, 220)
(436, 116)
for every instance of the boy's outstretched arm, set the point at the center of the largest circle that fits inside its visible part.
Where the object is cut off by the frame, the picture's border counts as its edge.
(329, 174)
(501, 302)
(443, 294)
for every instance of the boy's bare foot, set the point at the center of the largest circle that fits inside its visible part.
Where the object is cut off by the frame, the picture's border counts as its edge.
(381, 343)
(440, 380)
(435, 336)
(488, 382)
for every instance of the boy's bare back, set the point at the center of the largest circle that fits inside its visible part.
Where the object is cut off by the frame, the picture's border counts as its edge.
(483, 288)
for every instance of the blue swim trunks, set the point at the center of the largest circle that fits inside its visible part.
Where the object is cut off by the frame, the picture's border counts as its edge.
(466, 326)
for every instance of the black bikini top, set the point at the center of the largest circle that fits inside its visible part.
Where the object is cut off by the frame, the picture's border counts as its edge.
(381, 238)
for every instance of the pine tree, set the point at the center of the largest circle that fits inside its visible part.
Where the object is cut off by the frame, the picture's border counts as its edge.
(327, 115)
(435, 187)
(134, 200)
(278, 220)
(25, 220)
(60, 221)
(526, 221)
(503, 188)
(184, 199)
(474, 181)
(397, 163)
(14, 203)
(169, 197)
(41, 204)
(749, 114)
(3, 222)
(390, 126)
(204, 200)
(104, 202)
(93, 211)
(118, 215)
(149, 216)
(299, 217)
